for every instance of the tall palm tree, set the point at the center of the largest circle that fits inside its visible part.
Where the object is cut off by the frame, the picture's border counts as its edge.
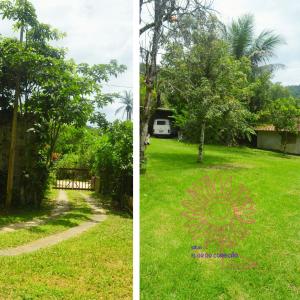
(127, 105)
(259, 49)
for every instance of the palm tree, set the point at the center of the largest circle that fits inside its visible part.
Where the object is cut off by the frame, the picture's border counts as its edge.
(127, 104)
(260, 49)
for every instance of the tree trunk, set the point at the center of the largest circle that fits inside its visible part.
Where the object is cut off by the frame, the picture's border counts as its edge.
(150, 76)
(201, 144)
(53, 141)
(11, 161)
(285, 142)
(12, 152)
(145, 118)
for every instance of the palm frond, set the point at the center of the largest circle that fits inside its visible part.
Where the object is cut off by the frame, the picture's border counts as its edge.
(271, 68)
(240, 35)
(264, 46)
(127, 104)
(119, 109)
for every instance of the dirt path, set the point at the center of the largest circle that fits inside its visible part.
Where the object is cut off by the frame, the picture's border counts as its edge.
(98, 216)
(61, 208)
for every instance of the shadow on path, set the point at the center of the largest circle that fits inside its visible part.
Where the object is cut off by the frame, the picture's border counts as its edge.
(97, 217)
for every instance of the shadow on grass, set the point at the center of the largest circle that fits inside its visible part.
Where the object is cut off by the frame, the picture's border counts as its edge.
(76, 215)
(26, 213)
(169, 161)
(250, 152)
(110, 206)
(68, 221)
(243, 150)
(184, 161)
(22, 215)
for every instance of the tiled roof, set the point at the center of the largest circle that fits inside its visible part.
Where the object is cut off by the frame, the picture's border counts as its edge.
(269, 128)
(265, 128)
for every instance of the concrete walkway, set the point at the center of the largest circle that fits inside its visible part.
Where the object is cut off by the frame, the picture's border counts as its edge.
(62, 207)
(98, 216)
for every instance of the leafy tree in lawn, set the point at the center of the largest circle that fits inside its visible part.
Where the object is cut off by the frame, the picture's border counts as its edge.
(156, 17)
(284, 115)
(206, 80)
(236, 124)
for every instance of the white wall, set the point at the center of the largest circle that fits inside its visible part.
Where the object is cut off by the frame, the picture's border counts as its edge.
(272, 141)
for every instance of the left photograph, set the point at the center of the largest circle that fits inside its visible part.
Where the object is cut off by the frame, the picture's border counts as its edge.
(66, 147)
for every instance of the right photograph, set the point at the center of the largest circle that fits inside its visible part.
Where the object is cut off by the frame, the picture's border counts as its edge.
(219, 149)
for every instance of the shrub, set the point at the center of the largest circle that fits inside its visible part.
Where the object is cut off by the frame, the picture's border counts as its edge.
(114, 161)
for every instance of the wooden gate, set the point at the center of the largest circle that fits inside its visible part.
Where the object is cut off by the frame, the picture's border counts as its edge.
(74, 179)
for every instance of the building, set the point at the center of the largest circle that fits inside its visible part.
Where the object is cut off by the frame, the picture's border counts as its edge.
(270, 139)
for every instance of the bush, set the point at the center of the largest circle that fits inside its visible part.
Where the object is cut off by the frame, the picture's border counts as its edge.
(77, 147)
(114, 161)
(69, 160)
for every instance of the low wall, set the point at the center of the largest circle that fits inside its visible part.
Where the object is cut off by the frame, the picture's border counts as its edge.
(271, 140)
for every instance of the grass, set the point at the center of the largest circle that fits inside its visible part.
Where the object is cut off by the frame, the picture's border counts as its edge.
(94, 265)
(79, 212)
(26, 214)
(167, 269)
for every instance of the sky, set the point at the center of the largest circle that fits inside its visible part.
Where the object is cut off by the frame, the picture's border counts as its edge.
(97, 31)
(278, 15)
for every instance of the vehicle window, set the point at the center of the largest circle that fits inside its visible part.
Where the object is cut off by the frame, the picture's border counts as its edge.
(161, 122)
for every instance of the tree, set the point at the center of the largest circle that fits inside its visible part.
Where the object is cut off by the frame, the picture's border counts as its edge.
(23, 13)
(284, 115)
(279, 92)
(36, 80)
(240, 35)
(158, 16)
(99, 119)
(127, 105)
(260, 86)
(294, 90)
(114, 161)
(207, 81)
(259, 49)
(76, 147)
(68, 97)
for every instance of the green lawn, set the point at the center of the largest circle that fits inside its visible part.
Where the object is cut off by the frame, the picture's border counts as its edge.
(168, 270)
(78, 213)
(94, 265)
(23, 215)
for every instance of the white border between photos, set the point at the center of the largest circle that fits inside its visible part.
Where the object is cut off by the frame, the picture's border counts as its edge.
(136, 154)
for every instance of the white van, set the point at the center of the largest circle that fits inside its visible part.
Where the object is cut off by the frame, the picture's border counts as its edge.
(162, 127)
